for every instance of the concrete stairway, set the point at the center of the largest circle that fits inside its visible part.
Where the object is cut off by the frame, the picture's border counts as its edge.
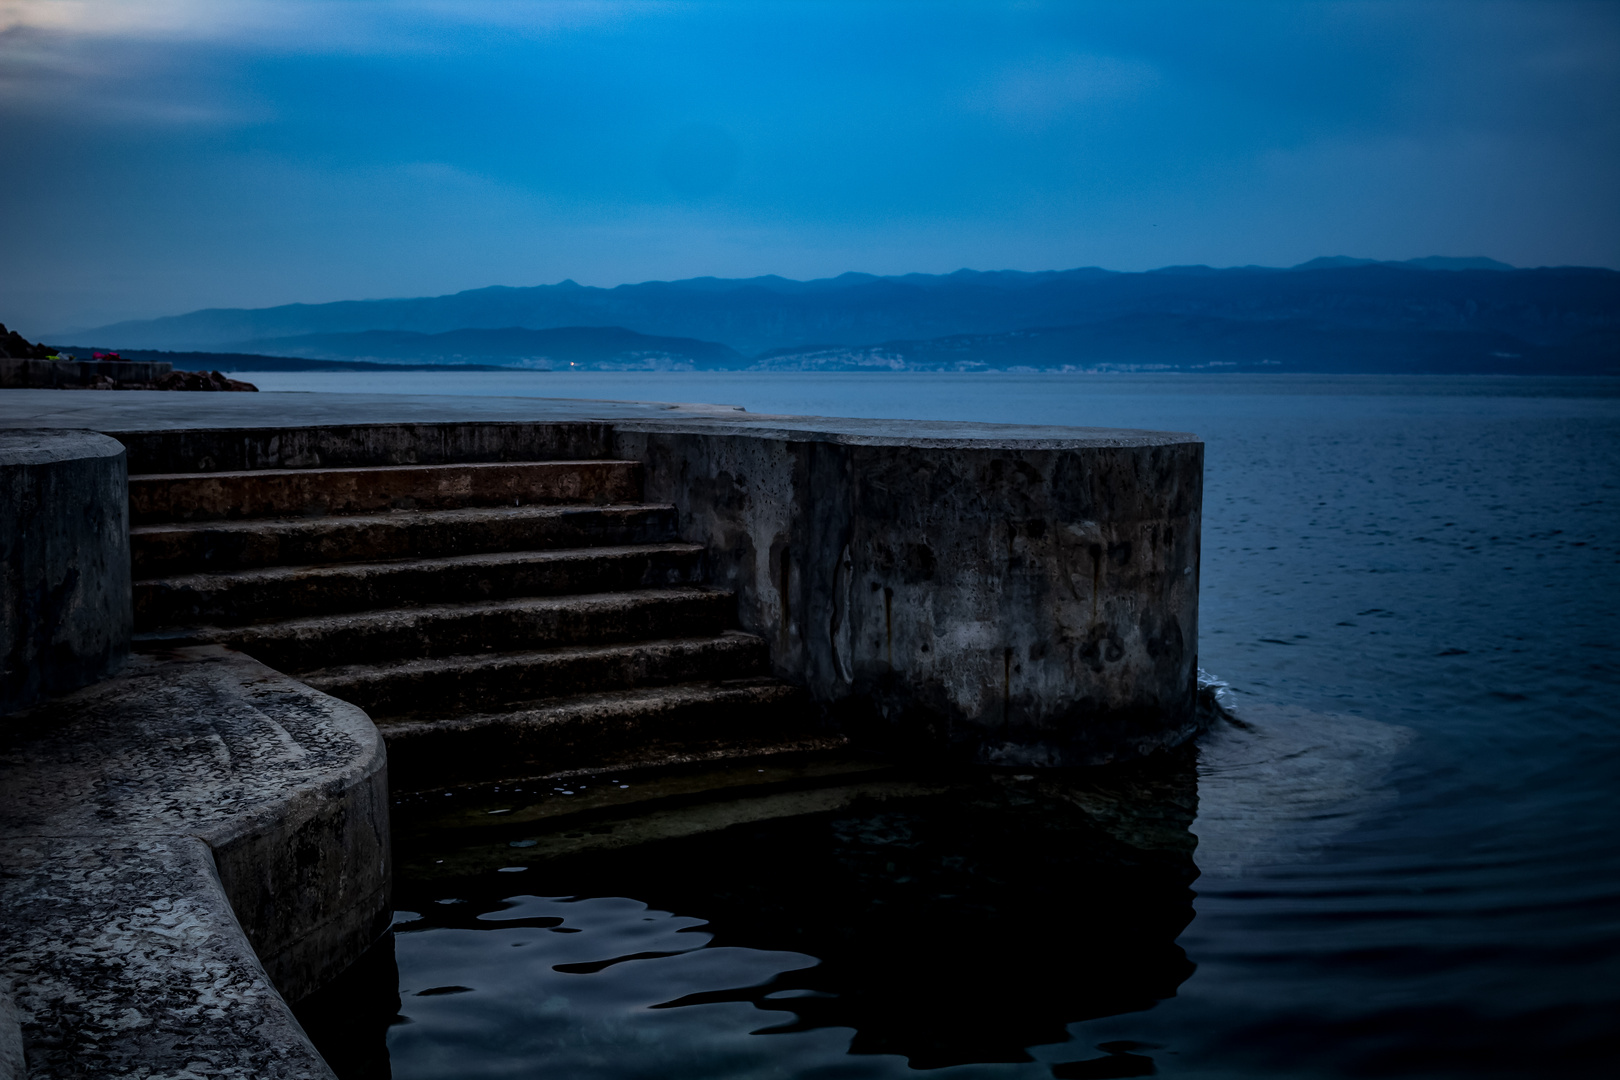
(495, 619)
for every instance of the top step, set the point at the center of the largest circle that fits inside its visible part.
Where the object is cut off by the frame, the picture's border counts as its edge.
(349, 446)
(163, 497)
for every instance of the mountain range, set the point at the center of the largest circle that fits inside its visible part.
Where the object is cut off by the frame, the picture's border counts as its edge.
(1330, 314)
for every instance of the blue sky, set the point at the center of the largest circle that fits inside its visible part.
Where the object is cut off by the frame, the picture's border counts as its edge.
(166, 155)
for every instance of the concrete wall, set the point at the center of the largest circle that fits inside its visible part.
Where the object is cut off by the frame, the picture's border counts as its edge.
(1010, 595)
(1008, 600)
(65, 609)
(335, 447)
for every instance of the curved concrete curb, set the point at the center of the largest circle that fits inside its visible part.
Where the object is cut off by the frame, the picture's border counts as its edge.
(181, 843)
(65, 609)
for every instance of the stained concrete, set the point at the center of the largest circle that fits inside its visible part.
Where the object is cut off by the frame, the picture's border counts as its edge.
(65, 611)
(190, 496)
(525, 622)
(647, 727)
(1029, 602)
(454, 684)
(269, 592)
(183, 848)
(1002, 593)
(230, 545)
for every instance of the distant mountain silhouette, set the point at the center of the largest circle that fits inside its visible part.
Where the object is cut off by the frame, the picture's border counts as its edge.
(1200, 343)
(1430, 262)
(599, 347)
(1336, 306)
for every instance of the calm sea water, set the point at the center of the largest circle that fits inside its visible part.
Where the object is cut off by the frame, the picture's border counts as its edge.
(1405, 865)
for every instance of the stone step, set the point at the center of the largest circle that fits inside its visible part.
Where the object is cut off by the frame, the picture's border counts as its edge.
(593, 733)
(481, 682)
(295, 645)
(212, 496)
(280, 592)
(343, 446)
(183, 548)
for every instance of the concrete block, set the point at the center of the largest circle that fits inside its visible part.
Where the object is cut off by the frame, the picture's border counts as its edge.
(65, 613)
(986, 595)
(286, 787)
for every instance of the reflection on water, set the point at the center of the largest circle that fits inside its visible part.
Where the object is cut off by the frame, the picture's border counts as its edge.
(966, 928)
(1277, 783)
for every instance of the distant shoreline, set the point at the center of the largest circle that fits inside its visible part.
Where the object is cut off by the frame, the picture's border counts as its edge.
(212, 361)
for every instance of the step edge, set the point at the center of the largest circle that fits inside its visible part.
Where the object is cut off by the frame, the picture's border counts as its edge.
(353, 469)
(343, 569)
(390, 517)
(473, 662)
(691, 692)
(638, 597)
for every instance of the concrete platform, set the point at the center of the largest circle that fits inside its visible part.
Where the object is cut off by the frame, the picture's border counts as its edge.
(1005, 594)
(152, 411)
(184, 848)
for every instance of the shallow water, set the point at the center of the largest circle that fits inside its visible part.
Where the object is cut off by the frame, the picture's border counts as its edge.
(1407, 856)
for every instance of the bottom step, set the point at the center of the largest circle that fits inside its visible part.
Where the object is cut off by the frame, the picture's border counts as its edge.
(663, 725)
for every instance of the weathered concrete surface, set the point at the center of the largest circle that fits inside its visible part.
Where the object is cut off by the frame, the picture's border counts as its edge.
(180, 843)
(199, 448)
(11, 1045)
(525, 622)
(65, 611)
(129, 962)
(191, 496)
(1011, 594)
(625, 729)
(455, 684)
(1015, 601)
(292, 591)
(177, 548)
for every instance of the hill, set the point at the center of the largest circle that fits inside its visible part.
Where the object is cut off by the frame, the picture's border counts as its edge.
(606, 348)
(755, 314)
(1425, 314)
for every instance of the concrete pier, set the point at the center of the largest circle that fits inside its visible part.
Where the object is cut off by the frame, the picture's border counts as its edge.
(614, 584)
(1006, 594)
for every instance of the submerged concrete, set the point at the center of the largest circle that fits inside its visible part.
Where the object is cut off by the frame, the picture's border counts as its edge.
(184, 848)
(65, 613)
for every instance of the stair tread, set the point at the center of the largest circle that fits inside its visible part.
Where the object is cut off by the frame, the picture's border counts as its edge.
(389, 518)
(472, 662)
(427, 613)
(351, 569)
(640, 699)
(352, 469)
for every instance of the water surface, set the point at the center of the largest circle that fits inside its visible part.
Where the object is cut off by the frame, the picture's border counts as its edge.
(1407, 858)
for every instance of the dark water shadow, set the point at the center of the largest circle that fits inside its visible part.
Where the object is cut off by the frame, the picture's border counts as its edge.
(348, 1019)
(951, 929)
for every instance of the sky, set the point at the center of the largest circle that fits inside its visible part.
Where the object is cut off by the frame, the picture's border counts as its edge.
(168, 155)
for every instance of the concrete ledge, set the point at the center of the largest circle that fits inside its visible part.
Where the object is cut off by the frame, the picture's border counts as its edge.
(1006, 594)
(65, 611)
(1009, 596)
(186, 847)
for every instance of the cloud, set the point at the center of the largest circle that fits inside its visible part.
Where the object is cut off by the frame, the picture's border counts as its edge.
(150, 19)
(1041, 90)
(308, 24)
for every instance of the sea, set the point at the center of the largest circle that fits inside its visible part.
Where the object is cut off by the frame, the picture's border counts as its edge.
(1399, 859)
